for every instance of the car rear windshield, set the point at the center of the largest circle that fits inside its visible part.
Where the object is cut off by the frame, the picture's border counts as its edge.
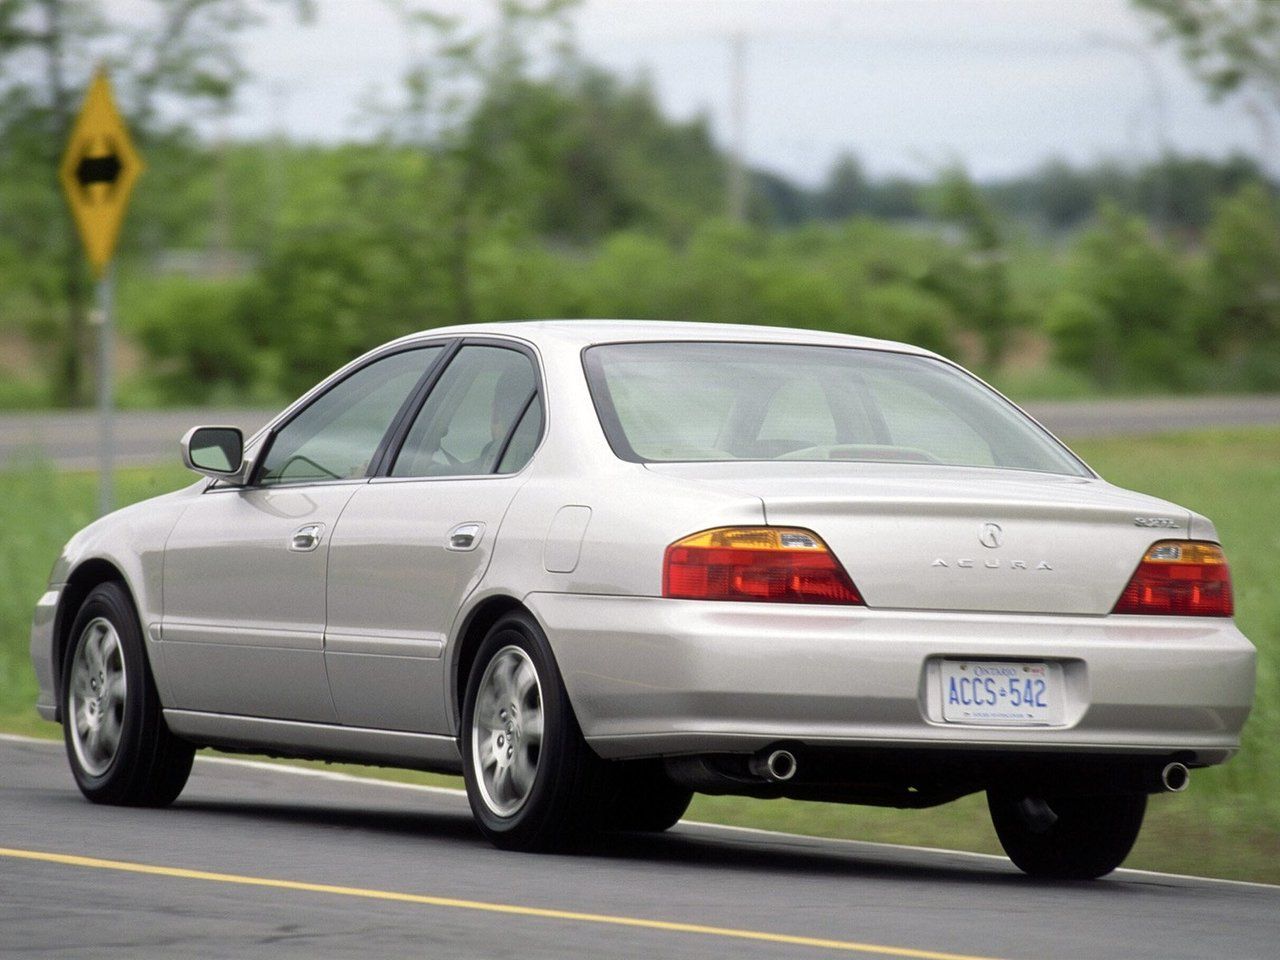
(691, 401)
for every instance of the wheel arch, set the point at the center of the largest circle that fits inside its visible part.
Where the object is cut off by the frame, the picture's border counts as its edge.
(474, 628)
(86, 577)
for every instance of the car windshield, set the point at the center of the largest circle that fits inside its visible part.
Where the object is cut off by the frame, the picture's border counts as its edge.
(679, 401)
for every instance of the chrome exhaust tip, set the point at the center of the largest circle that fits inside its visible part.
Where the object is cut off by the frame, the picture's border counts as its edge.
(1175, 777)
(776, 765)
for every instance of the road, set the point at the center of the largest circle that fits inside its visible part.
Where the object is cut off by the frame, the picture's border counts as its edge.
(70, 440)
(142, 437)
(1132, 417)
(261, 861)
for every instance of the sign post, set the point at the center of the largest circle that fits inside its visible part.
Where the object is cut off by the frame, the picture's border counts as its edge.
(98, 172)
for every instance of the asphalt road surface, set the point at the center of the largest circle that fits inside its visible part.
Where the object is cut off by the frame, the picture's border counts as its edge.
(141, 437)
(259, 861)
(70, 440)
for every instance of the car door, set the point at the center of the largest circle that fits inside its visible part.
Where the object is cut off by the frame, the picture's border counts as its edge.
(244, 569)
(412, 544)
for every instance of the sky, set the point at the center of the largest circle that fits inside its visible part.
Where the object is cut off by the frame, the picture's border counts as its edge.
(905, 85)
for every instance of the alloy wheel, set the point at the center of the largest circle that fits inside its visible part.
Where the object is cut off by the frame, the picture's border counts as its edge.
(506, 731)
(98, 691)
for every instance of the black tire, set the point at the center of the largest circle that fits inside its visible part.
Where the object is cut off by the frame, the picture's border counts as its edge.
(643, 798)
(147, 766)
(566, 782)
(1067, 838)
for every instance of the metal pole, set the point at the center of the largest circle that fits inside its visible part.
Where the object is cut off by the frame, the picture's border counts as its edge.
(1159, 100)
(106, 354)
(738, 128)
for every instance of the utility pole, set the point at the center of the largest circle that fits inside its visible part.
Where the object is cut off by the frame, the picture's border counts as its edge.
(738, 127)
(1266, 133)
(222, 201)
(1159, 101)
(277, 178)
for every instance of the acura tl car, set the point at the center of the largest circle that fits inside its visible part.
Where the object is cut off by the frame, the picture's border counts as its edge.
(598, 566)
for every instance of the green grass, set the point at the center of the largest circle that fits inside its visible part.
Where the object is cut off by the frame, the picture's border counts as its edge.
(1227, 824)
(22, 394)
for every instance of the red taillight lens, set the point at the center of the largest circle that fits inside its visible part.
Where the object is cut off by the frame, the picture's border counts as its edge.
(777, 564)
(1186, 578)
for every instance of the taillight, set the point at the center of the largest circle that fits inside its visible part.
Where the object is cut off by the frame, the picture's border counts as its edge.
(778, 564)
(1181, 578)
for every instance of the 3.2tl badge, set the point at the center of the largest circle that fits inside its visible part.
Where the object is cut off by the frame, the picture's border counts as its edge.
(98, 172)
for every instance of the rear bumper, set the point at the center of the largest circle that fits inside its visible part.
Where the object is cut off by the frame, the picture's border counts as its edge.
(651, 676)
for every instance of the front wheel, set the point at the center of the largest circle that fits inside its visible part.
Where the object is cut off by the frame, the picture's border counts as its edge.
(119, 748)
(532, 781)
(1066, 838)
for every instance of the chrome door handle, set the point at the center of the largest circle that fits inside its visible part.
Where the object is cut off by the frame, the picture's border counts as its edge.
(306, 539)
(465, 536)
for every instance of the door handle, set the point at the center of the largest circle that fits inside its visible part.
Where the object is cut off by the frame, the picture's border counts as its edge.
(465, 536)
(305, 539)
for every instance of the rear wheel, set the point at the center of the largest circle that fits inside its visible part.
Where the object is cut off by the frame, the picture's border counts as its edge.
(1069, 838)
(119, 748)
(643, 798)
(532, 781)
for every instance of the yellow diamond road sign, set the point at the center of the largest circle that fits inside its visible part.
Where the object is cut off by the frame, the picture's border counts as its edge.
(98, 172)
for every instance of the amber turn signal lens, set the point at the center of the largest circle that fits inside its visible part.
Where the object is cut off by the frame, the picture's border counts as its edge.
(771, 564)
(1180, 578)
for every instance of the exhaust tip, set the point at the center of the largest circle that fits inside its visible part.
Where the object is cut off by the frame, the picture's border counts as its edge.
(781, 765)
(1175, 777)
(773, 764)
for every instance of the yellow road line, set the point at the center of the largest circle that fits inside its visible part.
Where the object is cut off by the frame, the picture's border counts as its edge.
(511, 909)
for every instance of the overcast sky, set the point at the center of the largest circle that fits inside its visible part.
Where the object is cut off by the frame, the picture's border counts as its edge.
(904, 84)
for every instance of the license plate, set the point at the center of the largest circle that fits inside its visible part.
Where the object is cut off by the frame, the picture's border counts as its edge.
(985, 691)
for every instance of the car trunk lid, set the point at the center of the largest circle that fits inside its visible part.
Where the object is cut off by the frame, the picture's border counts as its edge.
(951, 538)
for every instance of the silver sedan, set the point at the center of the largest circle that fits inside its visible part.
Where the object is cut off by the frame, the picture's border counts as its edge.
(598, 566)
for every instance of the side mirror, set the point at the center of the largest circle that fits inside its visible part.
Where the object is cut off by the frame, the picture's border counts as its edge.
(216, 452)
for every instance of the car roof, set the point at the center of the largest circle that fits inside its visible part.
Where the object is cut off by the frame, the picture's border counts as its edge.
(585, 333)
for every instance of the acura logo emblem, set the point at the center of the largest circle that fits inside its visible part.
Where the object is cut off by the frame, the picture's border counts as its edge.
(991, 535)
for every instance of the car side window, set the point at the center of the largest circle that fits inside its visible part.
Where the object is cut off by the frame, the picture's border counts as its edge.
(524, 440)
(337, 435)
(464, 426)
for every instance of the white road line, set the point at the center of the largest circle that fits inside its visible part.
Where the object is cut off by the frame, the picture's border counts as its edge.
(811, 840)
(333, 775)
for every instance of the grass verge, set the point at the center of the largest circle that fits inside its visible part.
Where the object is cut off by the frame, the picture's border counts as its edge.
(1226, 825)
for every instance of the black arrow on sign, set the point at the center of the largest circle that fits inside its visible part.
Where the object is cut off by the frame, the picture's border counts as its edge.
(104, 169)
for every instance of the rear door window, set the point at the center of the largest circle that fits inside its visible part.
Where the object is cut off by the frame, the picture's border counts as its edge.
(468, 421)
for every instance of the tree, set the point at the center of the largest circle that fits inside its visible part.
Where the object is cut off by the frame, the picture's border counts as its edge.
(48, 49)
(1231, 45)
(846, 191)
(459, 111)
(1244, 264)
(40, 42)
(1239, 318)
(1122, 316)
(979, 285)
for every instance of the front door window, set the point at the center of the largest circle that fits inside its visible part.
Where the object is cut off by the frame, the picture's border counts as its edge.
(336, 437)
